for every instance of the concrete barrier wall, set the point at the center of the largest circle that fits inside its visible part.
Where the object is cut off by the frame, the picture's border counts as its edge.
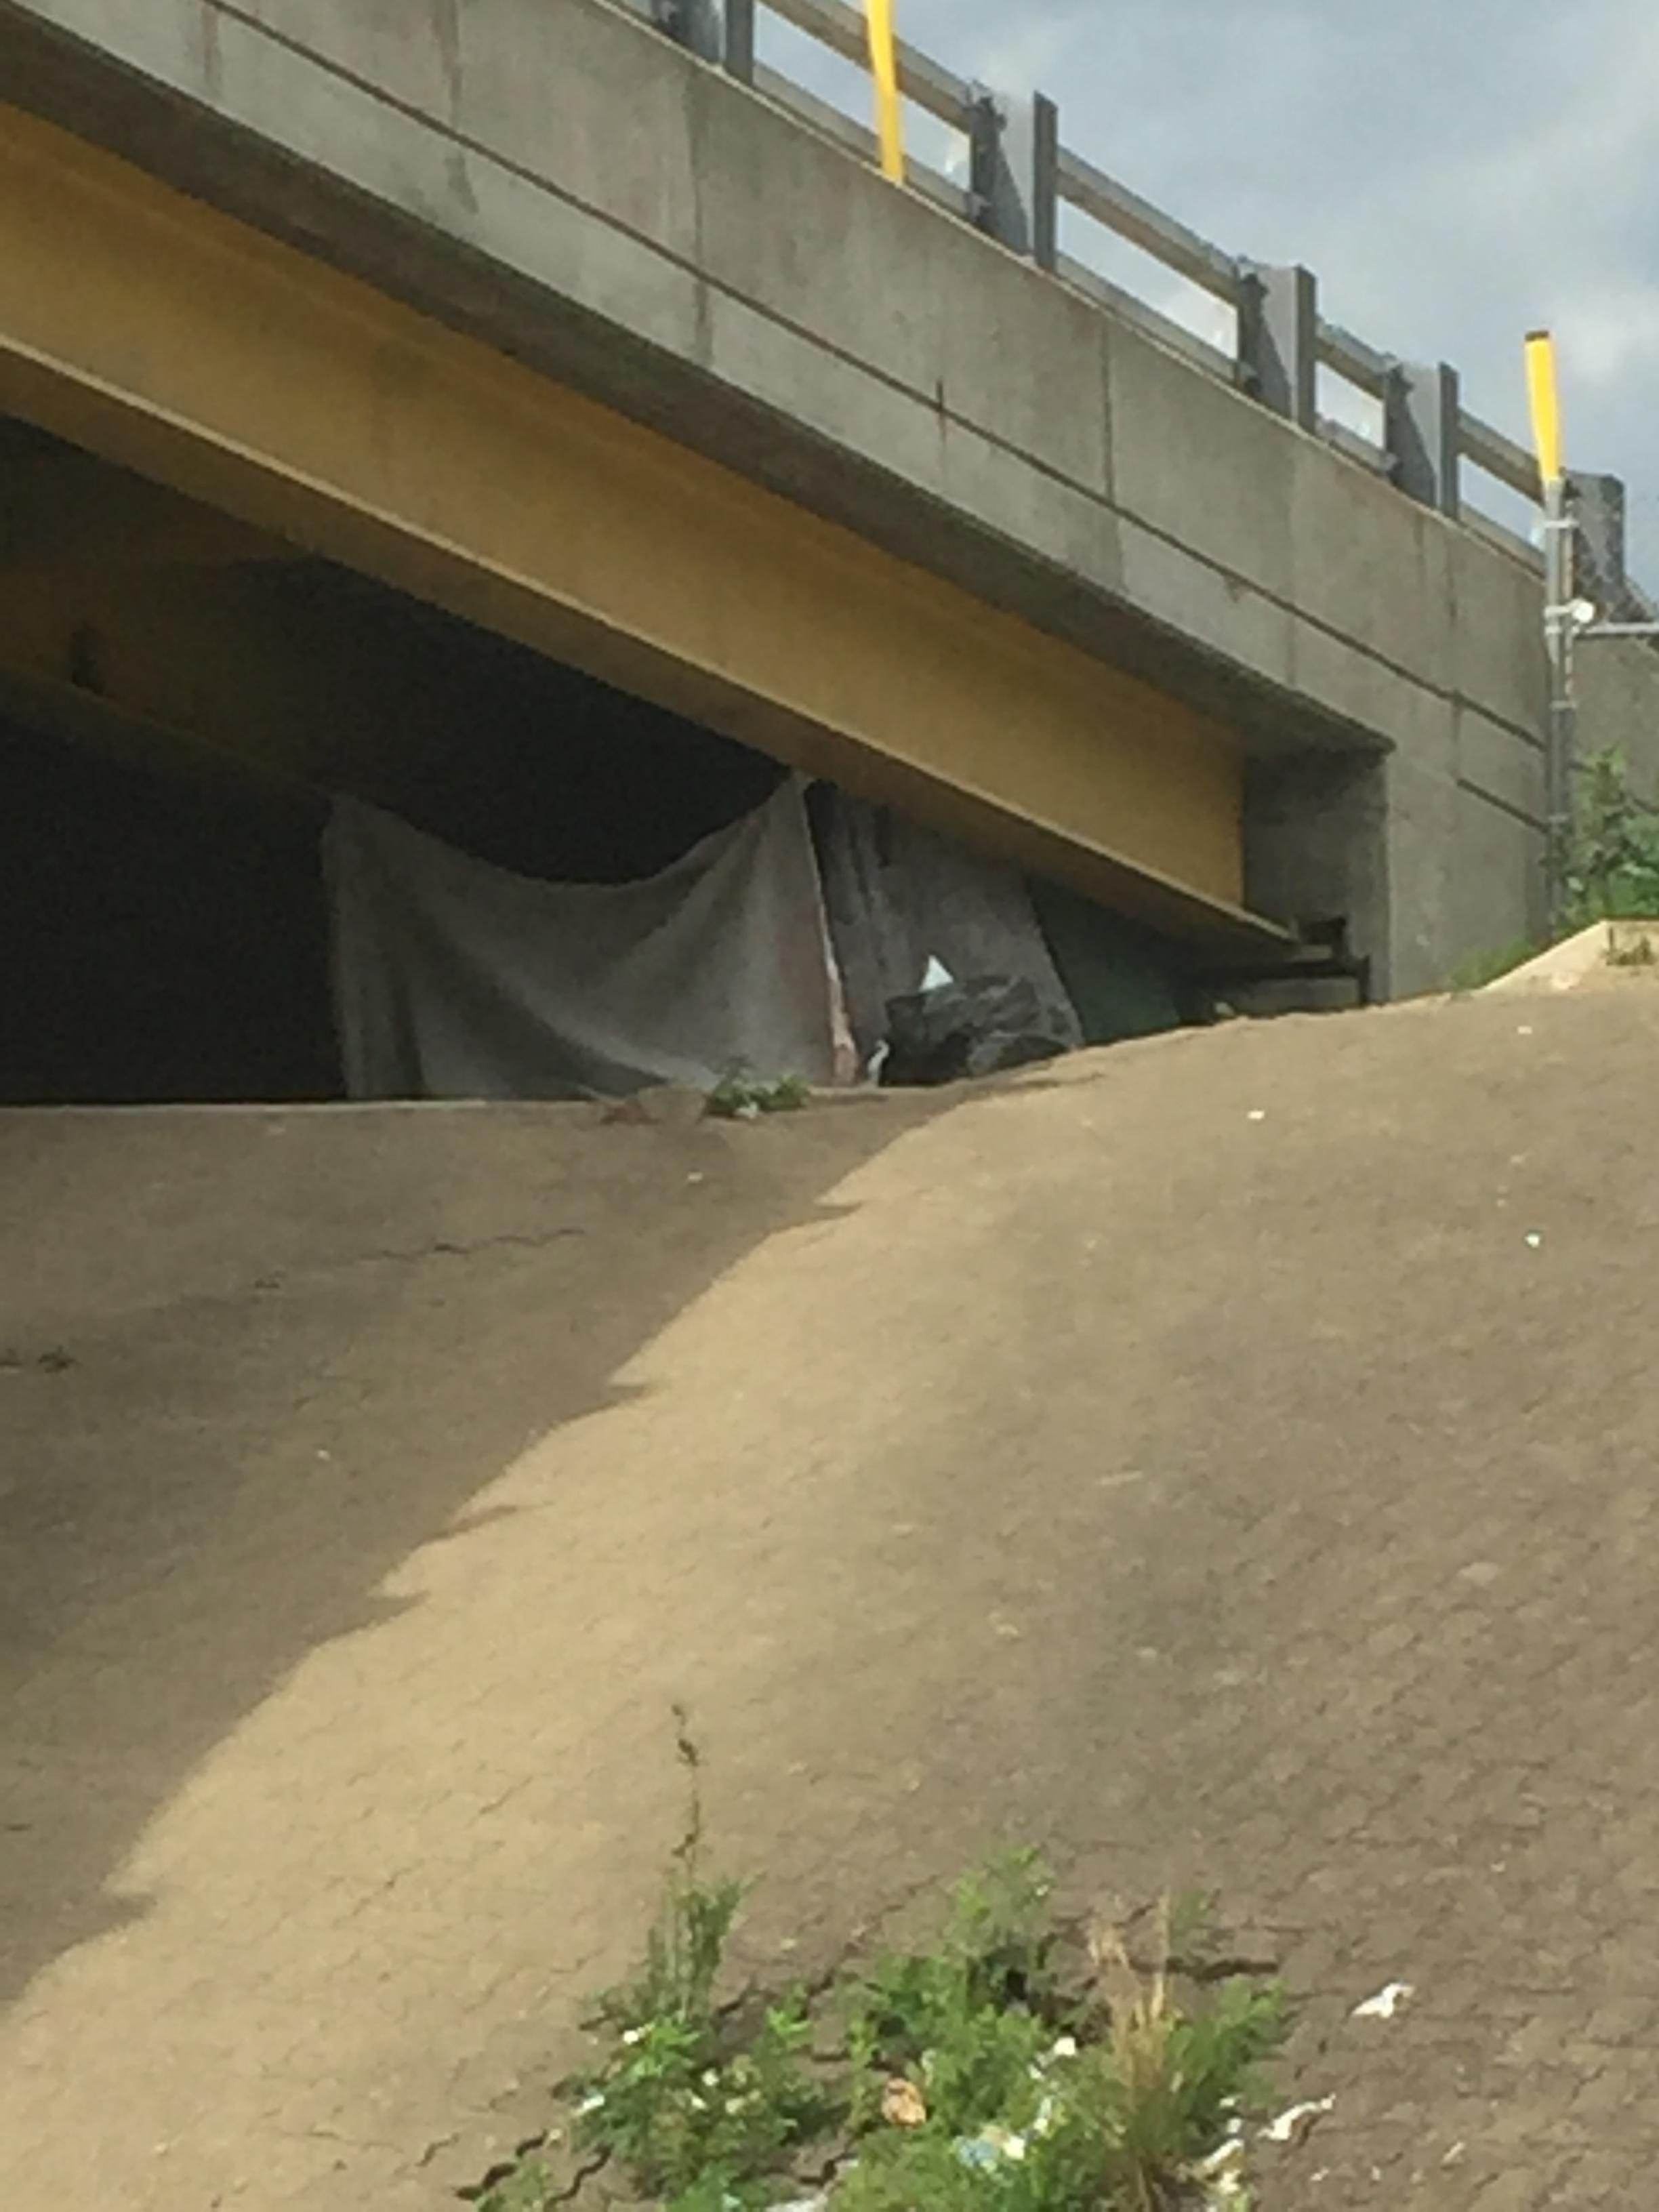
(1618, 706)
(571, 185)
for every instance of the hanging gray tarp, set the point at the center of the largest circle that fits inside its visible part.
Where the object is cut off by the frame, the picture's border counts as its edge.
(455, 979)
(900, 898)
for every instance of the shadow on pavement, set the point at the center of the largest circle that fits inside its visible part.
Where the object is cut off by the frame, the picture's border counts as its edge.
(250, 1360)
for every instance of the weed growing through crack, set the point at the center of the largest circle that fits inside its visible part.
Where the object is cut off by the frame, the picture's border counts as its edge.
(1032, 2095)
(699, 2103)
(1012, 2064)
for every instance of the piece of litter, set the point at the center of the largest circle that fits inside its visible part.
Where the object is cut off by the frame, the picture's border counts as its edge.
(1221, 2160)
(1525, 1030)
(901, 2104)
(1291, 2126)
(938, 976)
(1534, 1239)
(1385, 2003)
(990, 2148)
(1256, 1114)
(1454, 2156)
(693, 1178)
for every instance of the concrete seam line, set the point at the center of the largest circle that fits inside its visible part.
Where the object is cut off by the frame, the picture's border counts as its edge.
(1502, 805)
(1531, 738)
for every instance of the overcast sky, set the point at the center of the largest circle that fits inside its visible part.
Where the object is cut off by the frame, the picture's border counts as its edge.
(1454, 170)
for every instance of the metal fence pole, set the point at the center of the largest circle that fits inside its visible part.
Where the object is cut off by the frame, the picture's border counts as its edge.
(1279, 341)
(1563, 732)
(740, 55)
(1421, 432)
(693, 23)
(1014, 171)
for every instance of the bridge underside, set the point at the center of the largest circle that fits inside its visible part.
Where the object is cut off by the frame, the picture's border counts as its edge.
(301, 413)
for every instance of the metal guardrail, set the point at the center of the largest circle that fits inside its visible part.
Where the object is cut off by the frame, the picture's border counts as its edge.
(1020, 178)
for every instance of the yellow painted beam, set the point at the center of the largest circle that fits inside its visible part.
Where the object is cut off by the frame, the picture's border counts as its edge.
(171, 339)
(65, 511)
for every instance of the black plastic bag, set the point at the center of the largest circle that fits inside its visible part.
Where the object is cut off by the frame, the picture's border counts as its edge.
(961, 1030)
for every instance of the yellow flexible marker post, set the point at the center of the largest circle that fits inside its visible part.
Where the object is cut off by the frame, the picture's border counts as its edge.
(1544, 395)
(883, 67)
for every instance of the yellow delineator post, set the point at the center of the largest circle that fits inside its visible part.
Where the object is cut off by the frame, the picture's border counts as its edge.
(1544, 399)
(883, 67)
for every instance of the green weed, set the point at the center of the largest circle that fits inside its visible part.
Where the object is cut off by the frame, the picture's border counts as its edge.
(743, 1096)
(1611, 874)
(691, 2097)
(1005, 2066)
(1612, 870)
(1131, 2112)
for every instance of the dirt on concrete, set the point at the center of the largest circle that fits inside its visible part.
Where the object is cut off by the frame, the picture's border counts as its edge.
(1223, 1461)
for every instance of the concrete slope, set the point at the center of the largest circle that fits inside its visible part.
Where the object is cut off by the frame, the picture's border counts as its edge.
(1229, 1460)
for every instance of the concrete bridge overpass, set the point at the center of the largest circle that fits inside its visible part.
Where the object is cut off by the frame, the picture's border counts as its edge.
(555, 324)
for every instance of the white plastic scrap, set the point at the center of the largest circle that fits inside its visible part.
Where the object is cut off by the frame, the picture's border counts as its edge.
(991, 2147)
(1385, 2003)
(1221, 2176)
(1225, 2159)
(1297, 2120)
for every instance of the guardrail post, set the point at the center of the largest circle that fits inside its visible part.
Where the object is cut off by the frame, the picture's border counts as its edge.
(1420, 417)
(693, 23)
(740, 56)
(1014, 171)
(1279, 341)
